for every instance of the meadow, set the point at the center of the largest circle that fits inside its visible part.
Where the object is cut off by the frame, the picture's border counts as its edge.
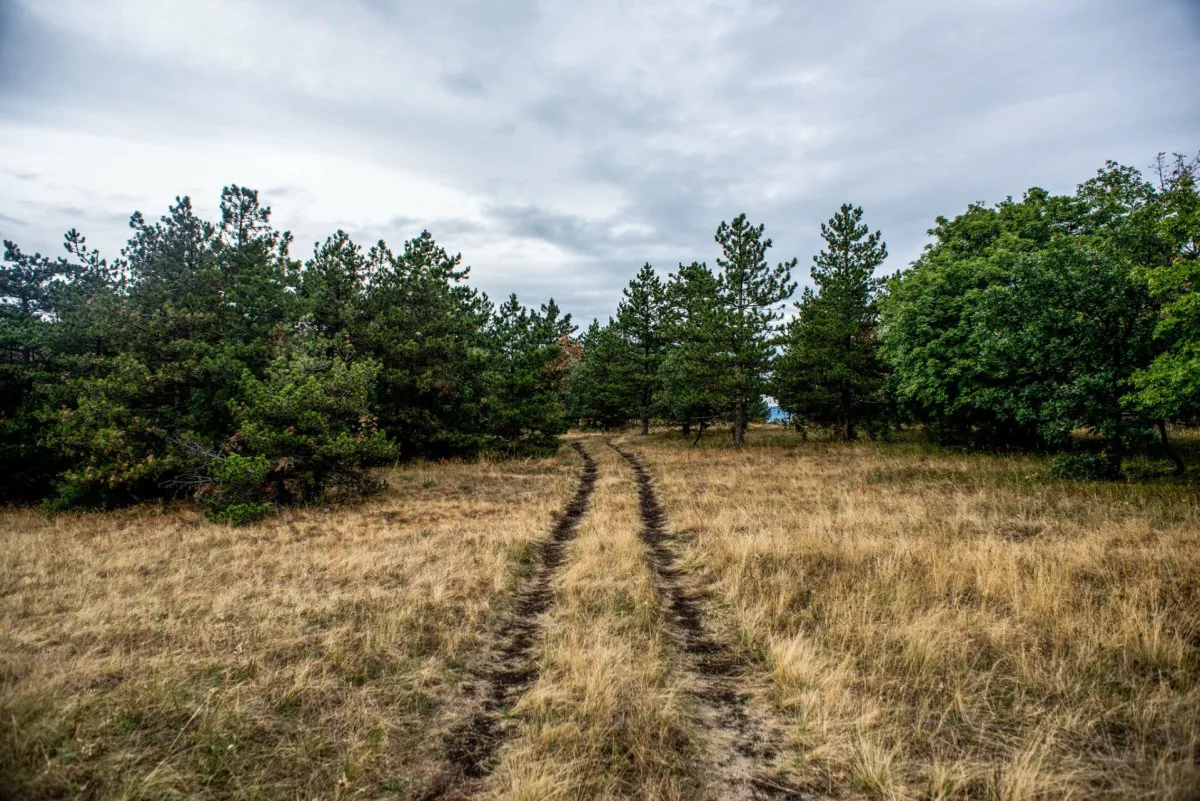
(796, 618)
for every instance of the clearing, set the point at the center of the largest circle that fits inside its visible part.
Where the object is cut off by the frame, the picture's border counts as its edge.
(795, 619)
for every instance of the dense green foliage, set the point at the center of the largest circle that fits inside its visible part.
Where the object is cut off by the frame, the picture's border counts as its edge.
(207, 360)
(1169, 387)
(1021, 325)
(695, 350)
(829, 372)
(1026, 322)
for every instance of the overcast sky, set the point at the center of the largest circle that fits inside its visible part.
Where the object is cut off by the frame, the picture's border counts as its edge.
(559, 145)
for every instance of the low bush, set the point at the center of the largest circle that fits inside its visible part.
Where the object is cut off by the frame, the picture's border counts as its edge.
(1084, 467)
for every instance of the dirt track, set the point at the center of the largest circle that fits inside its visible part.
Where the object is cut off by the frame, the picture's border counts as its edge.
(480, 728)
(745, 743)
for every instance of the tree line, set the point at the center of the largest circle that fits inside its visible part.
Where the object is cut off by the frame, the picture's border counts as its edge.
(207, 360)
(710, 346)
(1020, 325)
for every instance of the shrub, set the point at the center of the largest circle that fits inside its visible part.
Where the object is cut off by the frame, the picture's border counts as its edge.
(1084, 467)
(112, 437)
(309, 429)
(236, 487)
(240, 514)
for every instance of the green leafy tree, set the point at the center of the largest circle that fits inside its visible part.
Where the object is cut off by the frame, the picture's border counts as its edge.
(1027, 321)
(750, 297)
(830, 372)
(1169, 387)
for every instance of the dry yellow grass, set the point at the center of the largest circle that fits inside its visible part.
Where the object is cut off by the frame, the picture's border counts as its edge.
(941, 625)
(607, 717)
(149, 654)
(910, 623)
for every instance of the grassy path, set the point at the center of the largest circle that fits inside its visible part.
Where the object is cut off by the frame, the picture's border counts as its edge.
(744, 744)
(509, 668)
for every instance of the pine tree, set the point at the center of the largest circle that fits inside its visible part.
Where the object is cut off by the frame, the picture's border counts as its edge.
(830, 371)
(527, 374)
(333, 286)
(258, 278)
(26, 292)
(693, 369)
(750, 294)
(425, 326)
(642, 322)
(600, 382)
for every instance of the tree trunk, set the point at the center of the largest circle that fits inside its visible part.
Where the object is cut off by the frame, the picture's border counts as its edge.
(645, 425)
(739, 424)
(849, 418)
(1172, 454)
(1115, 450)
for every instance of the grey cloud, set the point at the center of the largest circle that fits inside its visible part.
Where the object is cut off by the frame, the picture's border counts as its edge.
(451, 228)
(448, 231)
(624, 132)
(568, 231)
(578, 104)
(464, 83)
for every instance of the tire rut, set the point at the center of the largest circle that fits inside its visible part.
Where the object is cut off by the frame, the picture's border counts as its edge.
(480, 727)
(745, 743)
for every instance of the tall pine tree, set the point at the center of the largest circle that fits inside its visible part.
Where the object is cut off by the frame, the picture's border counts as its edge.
(694, 366)
(524, 386)
(830, 372)
(426, 328)
(600, 381)
(750, 294)
(642, 321)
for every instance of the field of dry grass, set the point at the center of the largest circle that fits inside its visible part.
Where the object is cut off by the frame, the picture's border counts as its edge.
(149, 654)
(937, 625)
(866, 620)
